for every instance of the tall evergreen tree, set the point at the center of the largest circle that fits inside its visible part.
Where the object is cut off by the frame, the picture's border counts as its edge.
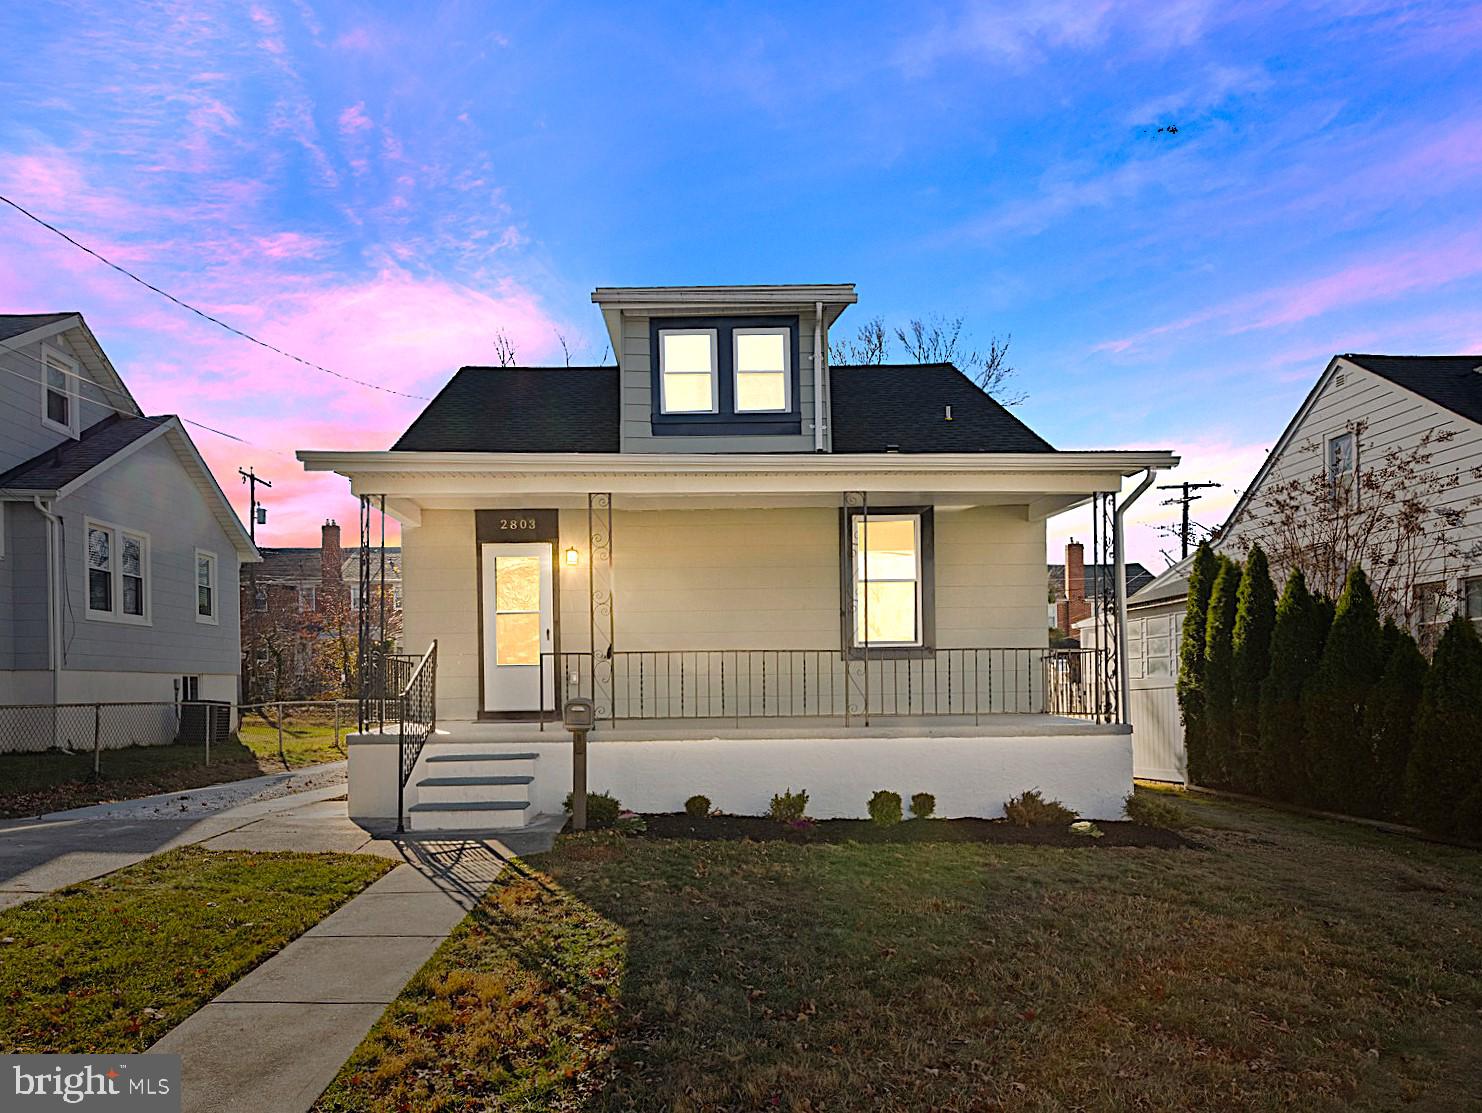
(1340, 753)
(1390, 716)
(1191, 661)
(1443, 784)
(1296, 645)
(1255, 618)
(1219, 672)
(1323, 610)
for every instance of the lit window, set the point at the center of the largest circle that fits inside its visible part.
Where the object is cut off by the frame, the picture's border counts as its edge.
(887, 580)
(60, 402)
(205, 586)
(763, 362)
(687, 370)
(117, 573)
(517, 610)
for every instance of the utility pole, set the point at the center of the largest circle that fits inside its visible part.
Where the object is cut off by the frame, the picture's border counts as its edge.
(255, 514)
(1184, 499)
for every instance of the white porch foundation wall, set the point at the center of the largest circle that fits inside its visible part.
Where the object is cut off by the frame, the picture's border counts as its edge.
(1089, 772)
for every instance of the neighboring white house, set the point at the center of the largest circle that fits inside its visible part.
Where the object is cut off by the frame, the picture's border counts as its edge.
(765, 571)
(119, 554)
(1360, 408)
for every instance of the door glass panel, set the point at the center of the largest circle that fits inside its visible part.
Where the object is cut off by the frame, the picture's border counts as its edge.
(517, 639)
(517, 584)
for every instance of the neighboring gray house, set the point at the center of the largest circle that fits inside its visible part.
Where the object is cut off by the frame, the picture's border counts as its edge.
(119, 554)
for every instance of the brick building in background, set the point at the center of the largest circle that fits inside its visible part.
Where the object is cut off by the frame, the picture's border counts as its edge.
(298, 616)
(1073, 586)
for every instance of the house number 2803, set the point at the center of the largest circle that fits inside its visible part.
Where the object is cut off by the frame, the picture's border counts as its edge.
(516, 523)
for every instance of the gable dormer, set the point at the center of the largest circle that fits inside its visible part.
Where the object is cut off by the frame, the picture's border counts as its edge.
(723, 368)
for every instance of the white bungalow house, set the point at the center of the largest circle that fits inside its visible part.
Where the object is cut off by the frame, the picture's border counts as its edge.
(765, 571)
(1362, 409)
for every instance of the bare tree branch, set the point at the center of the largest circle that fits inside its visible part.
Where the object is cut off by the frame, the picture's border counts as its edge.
(870, 345)
(504, 349)
(939, 339)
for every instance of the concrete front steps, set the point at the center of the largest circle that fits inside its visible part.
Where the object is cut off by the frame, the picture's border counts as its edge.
(463, 789)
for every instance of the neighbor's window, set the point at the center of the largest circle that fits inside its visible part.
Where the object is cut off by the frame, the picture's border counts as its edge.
(60, 403)
(687, 375)
(117, 573)
(1430, 603)
(205, 586)
(1474, 598)
(887, 580)
(1342, 461)
(762, 356)
(308, 598)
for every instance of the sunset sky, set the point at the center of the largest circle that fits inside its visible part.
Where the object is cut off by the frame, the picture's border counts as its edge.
(1179, 210)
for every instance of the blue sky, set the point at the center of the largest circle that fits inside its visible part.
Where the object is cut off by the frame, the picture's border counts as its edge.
(380, 189)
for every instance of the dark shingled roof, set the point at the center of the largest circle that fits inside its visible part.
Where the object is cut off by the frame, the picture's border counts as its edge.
(881, 407)
(520, 409)
(1449, 381)
(56, 467)
(900, 407)
(13, 324)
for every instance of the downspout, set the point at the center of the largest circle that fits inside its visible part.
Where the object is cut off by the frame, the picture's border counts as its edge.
(53, 635)
(1119, 576)
(818, 376)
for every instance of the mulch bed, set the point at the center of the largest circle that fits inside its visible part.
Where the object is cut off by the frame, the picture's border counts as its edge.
(677, 825)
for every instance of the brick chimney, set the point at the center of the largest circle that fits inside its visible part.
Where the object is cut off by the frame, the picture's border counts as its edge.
(1074, 606)
(331, 561)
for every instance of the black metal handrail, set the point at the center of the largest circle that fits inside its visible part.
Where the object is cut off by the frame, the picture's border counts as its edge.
(416, 721)
(741, 684)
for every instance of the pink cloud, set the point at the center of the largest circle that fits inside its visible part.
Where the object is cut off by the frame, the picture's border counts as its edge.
(354, 119)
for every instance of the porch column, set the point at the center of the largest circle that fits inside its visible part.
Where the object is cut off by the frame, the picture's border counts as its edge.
(856, 665)
(1110, 565)
(599, 603)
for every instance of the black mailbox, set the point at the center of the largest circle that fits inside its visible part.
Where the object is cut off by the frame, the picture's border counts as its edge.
(579, 714)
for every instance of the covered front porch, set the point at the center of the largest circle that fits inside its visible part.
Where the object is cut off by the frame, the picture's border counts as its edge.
(774, 619)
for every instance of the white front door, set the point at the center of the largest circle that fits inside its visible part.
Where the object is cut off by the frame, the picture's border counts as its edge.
(517, 626)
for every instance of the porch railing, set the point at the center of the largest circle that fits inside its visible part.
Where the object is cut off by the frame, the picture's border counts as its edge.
(822, 683)
(402, 689)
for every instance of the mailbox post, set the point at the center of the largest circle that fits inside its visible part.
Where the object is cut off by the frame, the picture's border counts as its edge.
(579, 716)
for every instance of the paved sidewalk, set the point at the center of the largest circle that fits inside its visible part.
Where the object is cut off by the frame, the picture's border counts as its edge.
(279, 1036)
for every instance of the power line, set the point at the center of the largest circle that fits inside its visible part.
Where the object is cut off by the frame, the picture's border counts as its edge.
(129, 413)
(201, 312)
(1186, 529)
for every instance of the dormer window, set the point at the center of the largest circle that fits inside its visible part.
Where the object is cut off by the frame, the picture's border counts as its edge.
(762, 366)
(687, 371)
(725, 376)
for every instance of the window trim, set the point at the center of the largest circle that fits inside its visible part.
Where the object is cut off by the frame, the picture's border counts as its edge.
(785, 370)
(926, 591)
(663, 396)
(117, 534)
(214, 618)
(1466, 583)
(725, 421)
(73, 391)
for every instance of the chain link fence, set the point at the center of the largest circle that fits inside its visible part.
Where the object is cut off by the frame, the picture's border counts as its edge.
(116, 738)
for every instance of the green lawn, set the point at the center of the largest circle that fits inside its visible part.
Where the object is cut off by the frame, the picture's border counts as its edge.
(36, 783)
(113, 964)
(1285, 963)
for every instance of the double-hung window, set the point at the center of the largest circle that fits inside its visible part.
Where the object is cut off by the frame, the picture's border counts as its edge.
(1473, 598)
(59, 392)
(688, 374)
(118, 584)
(206, 587)
(762, 360)
(890, 579)
(1342, 464)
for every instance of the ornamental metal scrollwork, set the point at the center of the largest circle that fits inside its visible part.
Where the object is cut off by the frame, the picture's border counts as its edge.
(600, 603)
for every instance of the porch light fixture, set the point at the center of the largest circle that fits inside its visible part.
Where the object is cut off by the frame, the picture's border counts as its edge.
(573, 558)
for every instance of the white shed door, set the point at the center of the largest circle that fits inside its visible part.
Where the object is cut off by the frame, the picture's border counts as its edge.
(517, 612)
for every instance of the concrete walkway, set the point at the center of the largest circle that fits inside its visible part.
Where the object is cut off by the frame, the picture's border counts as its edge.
(279, 1036)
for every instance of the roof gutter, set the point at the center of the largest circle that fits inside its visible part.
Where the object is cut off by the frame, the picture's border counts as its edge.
(53, 622)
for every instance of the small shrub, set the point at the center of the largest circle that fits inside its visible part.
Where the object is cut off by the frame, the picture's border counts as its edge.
(789, 806)
(885, 808)
(602, 809)
(923, 805)
(1030, 809)
(1153, 811)
(697, 806)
